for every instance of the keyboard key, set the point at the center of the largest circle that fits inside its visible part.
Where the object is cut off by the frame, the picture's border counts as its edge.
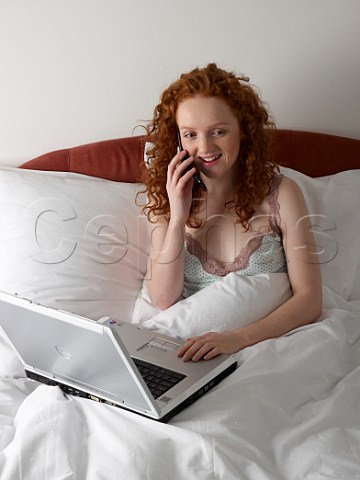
(158, 379)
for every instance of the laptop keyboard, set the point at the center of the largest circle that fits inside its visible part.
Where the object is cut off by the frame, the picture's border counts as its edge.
(158, 379)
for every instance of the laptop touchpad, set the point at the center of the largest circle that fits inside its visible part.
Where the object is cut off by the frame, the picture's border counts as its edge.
(158, 346)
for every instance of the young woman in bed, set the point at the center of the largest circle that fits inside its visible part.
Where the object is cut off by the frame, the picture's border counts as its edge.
(250, 219)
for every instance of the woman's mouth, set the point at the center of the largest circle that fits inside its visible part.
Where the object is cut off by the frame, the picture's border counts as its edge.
(210, 161)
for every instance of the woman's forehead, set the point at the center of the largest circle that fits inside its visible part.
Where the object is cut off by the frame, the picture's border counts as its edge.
(204, 110)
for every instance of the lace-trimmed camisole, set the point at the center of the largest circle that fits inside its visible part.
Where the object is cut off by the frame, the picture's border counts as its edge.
(262, 253)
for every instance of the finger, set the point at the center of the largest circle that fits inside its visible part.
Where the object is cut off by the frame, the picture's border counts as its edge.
(184, 179)
(212, 353)
(189, 351)
(185, 347)
(177, 160)
(197, 350)
(184, 169)
(189, 343)
(180, 181)
(204, 351)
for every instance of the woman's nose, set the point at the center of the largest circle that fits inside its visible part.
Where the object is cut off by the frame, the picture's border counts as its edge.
(204, 144)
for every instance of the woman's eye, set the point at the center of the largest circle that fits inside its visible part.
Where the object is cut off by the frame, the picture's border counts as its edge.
(189, 135)
(218, 132)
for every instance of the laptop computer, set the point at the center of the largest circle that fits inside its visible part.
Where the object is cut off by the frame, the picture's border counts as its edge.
(107, 360)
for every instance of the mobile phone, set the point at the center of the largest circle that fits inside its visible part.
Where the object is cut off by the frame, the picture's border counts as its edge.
(196, 174)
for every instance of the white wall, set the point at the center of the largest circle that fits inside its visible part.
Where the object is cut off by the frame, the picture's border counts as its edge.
(77, 71)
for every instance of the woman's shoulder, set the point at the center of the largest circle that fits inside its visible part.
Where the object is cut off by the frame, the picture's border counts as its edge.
(283, 189)
(291, 198)
(288, 187)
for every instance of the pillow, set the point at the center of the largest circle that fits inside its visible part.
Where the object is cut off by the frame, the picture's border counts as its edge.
(355, 292)
(147, 147)
(73, 242)
(333, 202)
(231, 302)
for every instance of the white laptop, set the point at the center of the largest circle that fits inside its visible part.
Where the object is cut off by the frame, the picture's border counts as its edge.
(108, 361)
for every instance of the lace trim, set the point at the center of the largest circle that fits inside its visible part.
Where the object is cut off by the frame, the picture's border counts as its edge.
(253, 244)
(210, 265)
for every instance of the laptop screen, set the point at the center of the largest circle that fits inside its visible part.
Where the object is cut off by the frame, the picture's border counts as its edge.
(75, 351)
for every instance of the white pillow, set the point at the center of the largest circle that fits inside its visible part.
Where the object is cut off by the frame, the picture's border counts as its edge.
(231, 302)
(334, 203)
(73, 242)
(355, 292)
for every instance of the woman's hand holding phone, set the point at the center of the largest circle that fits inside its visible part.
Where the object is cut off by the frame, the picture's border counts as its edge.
(179, 185)
(180, 180)
(196, 173)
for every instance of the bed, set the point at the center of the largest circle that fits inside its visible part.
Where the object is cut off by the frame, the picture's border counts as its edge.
(73, 237)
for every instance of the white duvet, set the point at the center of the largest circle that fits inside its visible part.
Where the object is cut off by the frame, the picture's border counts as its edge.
(290, 411)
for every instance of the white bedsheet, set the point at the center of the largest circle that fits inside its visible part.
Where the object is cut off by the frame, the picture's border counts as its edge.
(290, 411)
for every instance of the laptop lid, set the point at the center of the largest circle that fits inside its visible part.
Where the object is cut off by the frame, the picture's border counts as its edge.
(76, 351)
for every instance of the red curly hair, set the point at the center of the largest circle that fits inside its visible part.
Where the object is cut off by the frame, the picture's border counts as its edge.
(256, 166)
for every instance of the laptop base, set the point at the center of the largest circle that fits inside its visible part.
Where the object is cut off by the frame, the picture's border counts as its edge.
(80, 393)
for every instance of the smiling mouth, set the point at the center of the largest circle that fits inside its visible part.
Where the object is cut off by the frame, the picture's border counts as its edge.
(209, 160)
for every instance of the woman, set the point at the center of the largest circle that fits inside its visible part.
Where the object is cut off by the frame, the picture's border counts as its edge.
(250, 219)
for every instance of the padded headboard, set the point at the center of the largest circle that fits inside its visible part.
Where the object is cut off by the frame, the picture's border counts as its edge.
(314, 154)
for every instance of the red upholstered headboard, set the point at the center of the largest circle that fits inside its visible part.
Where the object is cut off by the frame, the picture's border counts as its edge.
(314, 154)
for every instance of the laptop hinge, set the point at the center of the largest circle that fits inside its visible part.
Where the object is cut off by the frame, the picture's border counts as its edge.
(29, 368)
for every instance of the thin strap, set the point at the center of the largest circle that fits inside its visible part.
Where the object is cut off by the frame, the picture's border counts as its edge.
(275, 219)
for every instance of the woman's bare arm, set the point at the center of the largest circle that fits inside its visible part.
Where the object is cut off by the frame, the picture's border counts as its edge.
(165, 273)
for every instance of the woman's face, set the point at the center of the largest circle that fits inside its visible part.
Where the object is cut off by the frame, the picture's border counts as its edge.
(210, 132)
